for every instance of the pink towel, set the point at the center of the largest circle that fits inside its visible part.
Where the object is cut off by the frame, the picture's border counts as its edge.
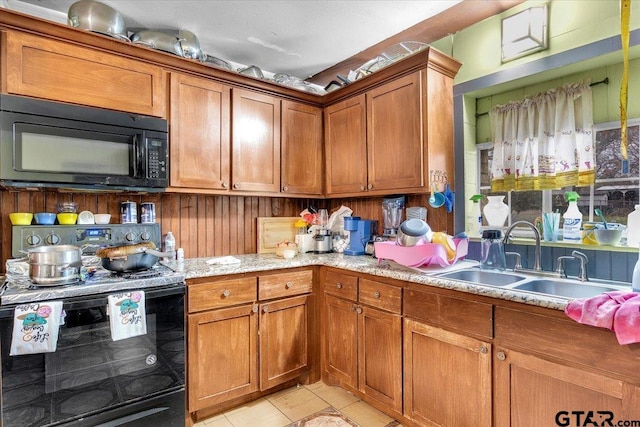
(618, 311)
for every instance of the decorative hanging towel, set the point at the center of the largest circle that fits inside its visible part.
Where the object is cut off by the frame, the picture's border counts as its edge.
(35, 328)
(127, 315)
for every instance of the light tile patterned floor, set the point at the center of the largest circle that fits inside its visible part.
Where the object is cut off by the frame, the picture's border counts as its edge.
(293, 404)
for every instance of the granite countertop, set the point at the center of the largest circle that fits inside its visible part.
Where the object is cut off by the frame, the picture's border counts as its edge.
(198, 267)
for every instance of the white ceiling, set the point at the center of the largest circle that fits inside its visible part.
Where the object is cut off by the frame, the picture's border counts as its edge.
(297, 37)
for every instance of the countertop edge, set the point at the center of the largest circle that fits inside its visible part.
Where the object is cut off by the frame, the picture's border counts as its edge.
(194, 268)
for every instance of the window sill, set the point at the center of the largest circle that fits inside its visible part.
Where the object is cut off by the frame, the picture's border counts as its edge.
(560, 244)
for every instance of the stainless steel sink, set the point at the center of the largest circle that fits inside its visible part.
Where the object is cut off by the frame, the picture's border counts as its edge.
(562, 288)
(484, 277)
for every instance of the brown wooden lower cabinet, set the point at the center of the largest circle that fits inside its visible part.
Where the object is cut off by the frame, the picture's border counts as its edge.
(447, 377)
(363, 348)
(223, 356)
(239, 344)
(531, 391)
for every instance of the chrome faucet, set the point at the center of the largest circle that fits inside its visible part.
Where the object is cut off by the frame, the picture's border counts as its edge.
(582, 276)
(536, 233)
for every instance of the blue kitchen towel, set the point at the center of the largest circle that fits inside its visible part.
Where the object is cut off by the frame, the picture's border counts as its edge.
(36, 327)
(127, 315)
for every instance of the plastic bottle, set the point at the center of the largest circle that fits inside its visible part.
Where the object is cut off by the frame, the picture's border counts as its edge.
(572, 219)
(635, 281)
(170, 246)
(477, 213)
(633, 228)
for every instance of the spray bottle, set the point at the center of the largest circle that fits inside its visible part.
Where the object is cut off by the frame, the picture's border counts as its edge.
(572, 219)
(477, 213)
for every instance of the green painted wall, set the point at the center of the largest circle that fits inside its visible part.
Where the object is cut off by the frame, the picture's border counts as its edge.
(572, 23)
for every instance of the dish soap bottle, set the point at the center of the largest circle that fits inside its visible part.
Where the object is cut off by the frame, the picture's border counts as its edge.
(572, 219)
(476, 213)
(633, 228)
(635, 281)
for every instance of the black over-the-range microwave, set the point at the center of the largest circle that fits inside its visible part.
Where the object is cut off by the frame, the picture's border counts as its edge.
(51, 144)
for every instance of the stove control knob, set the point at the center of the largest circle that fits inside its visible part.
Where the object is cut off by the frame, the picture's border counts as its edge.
(130, 236)
(33, 240)
(145, 236)
(52, 239)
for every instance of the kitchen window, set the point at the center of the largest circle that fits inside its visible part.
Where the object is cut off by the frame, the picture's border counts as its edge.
(615, 192)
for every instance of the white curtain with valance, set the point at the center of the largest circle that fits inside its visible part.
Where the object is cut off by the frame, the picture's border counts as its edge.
(545, 141)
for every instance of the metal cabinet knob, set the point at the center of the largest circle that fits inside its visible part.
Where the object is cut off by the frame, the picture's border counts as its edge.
(362, 188)
(370, 187)
(501, 355)
(236, 186)
(339, 285)
(285, 188)
(255, 308)
(226, 293)
(265, 309)
(359, 310)
(376, 294)
(225, 184)
(483, 349)
(288, 285)
(353, 307)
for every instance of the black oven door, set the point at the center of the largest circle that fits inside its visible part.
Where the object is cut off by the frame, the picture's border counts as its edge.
(92, 380)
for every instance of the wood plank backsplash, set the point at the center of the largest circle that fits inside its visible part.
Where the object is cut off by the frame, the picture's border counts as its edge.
(204, 225)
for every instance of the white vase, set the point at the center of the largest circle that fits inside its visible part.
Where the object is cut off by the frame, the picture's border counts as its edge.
(496, 211)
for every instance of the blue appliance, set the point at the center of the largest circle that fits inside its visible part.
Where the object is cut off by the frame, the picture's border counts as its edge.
(360, 232)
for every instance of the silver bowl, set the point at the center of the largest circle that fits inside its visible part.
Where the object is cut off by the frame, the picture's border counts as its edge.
(94, 16)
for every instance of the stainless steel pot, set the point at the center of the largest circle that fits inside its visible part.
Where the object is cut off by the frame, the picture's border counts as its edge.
(158, 40)
(98, 17)
(412, 232)
(54, 265)
(128, 258)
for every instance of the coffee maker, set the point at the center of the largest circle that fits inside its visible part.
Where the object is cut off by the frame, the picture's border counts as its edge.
(392, 209)
(360, 232)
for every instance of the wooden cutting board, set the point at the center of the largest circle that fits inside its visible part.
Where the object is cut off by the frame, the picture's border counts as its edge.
(272, 231)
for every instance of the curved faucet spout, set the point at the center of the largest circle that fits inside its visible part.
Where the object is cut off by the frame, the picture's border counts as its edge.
(536, 233)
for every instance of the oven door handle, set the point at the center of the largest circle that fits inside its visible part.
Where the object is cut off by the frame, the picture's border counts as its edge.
(101, 301)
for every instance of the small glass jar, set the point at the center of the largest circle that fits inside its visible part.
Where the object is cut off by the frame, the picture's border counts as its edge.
(67, 207)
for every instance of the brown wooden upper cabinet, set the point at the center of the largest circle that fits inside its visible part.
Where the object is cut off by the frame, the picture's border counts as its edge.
(255, 142)
(200, 133)
(50, 69)
(391, 137)
(302, 162)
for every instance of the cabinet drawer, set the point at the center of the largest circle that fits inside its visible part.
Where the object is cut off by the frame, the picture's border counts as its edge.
(205, 296)
(284, 284)
(341, 285)
(449, 312)
(380, 295)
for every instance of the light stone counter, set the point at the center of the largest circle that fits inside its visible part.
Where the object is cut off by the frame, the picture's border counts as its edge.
(198, 267)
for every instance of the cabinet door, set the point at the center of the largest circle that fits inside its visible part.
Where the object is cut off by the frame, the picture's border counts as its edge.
(255, 143)
(200, 136)
(222, 355)
(50, 69)
(283, 340)
(341, 348)
(301, 149)
(395, 143)
(447, 377)
(346, 147)
(380, 356)
(530, 391)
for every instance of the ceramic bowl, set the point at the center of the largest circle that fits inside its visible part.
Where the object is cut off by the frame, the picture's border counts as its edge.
(67, 218)
(102, 218)
(45, 218)
(288, 253)
(21, 218)
(608, 237)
